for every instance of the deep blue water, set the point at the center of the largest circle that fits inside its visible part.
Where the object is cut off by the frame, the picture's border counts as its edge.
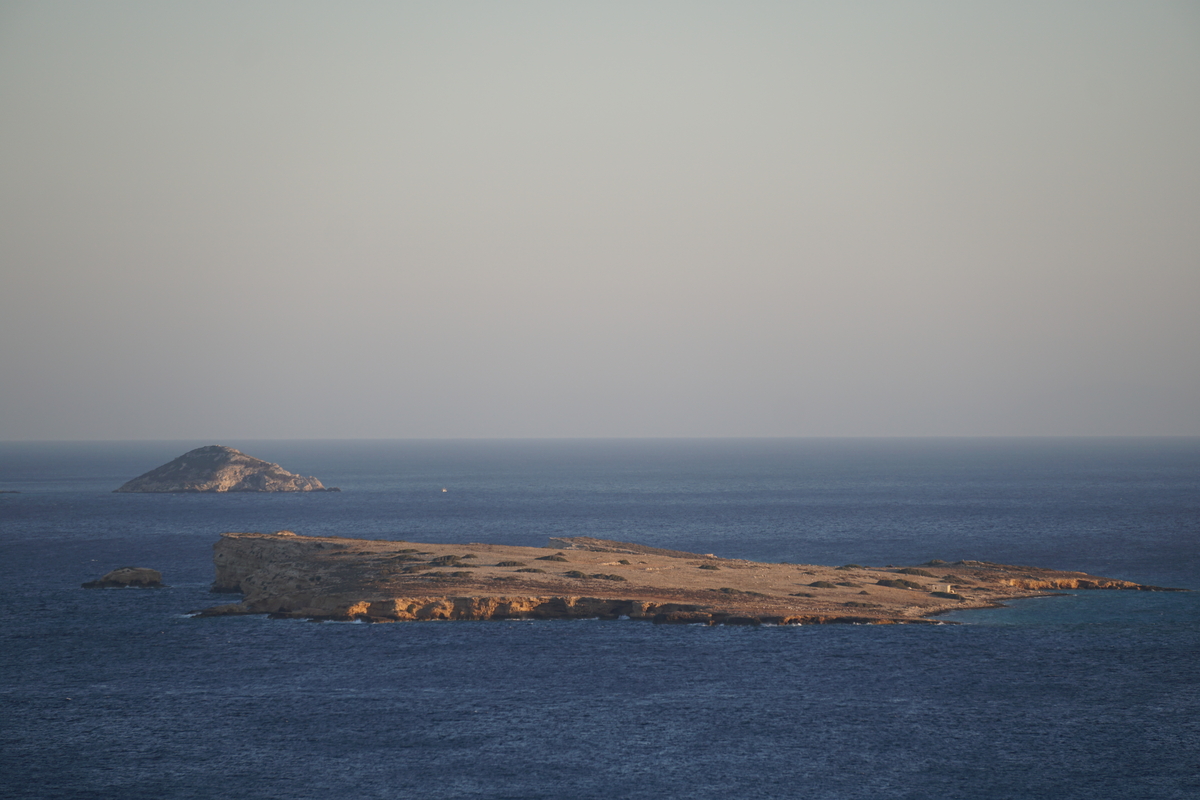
(120, 694)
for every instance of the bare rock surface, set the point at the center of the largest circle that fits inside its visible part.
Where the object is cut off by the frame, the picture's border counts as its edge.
(221, 469)
(291, 576)
(140, 577)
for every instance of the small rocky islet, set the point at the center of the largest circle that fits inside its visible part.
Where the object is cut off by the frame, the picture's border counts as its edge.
(216, 468)
(288, 576)
(128, 578)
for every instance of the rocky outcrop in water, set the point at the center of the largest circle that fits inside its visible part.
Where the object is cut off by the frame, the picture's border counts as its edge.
(221, 469)
(327, 578)
(138, 577)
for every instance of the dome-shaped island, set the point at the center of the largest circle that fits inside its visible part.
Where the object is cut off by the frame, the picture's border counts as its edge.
(216, 468)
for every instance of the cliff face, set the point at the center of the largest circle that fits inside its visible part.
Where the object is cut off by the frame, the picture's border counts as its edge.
(292, 576)
(221, 469)
(254, 564)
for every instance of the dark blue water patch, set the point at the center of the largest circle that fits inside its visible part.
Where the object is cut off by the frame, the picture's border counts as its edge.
(162, 705)
(1122, 508)
(1168, 612)
(1090, 694)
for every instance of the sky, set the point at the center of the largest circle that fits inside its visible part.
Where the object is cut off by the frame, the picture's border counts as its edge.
(273, 220)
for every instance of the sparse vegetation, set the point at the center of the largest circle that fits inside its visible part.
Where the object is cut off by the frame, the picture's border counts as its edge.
(510, 563)
(851, 566)
(612, 577)
(575, 573)
(857, 604)
(557, 557)
(957, 579)
(849, 583)
(948, 595)
(730, 590)
(623, 561)
(709, 566)
(448, 575)
(822, 585)
(915, 571)
(900, 584)
(531, 569)
(802, 594)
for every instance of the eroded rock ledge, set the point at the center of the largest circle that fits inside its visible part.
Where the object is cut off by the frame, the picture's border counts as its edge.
(291, 576)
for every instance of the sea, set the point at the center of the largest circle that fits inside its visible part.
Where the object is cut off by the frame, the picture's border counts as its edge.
(124, 694)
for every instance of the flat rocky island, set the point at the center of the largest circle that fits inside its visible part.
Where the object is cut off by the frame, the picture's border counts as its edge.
(216, 468)
(302, 577)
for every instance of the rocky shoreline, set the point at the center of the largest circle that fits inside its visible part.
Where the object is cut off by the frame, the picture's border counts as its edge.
(327, 578)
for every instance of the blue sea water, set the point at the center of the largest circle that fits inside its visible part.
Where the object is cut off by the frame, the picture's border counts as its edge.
(120, 694)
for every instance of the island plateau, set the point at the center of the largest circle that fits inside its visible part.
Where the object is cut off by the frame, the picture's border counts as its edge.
(326, 578)
(221, 469)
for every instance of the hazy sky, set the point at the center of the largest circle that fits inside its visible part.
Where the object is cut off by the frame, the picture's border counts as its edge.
(461, 219)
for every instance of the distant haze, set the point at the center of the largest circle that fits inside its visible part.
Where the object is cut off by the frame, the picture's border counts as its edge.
(480, 219)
